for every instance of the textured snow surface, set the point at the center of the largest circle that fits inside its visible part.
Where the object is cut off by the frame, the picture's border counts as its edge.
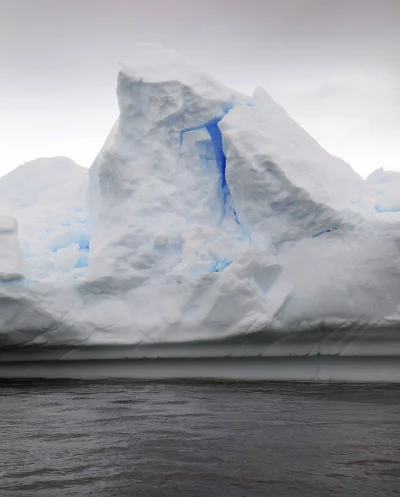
(11, 265)
(48, 198)
(210, 214)
(386, 185)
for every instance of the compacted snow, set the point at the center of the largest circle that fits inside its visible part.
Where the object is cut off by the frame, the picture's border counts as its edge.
(11, 265)
(207, 215)
(48, 199)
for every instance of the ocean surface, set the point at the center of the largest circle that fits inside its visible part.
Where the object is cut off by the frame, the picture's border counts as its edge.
(127, 439)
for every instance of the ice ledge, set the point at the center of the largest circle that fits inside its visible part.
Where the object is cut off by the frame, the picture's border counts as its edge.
(351, 354)
(314, 368)
(152, 62)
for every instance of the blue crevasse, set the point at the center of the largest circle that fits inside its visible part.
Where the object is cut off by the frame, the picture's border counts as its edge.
(220, 158)
(212, 150)
(324, 231)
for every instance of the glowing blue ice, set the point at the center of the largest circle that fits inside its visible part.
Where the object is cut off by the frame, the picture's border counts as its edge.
(220, 158)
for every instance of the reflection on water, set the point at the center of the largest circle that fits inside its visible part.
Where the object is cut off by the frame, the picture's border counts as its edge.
(128, 439)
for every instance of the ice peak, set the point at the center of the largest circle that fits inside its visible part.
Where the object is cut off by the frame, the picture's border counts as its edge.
(152, 62)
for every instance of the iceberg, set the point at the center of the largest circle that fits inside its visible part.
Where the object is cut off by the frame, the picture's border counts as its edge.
(212, 237)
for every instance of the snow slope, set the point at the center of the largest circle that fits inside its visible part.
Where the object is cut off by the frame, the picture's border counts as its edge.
(210, 214)
(47, 197)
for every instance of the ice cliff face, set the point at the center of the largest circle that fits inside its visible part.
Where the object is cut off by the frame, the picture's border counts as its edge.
(210, 214)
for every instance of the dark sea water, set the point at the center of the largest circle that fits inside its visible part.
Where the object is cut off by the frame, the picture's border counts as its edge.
(127, 439)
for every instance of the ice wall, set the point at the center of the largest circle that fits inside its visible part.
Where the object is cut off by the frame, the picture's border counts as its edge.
(211, 215)
(221, 211)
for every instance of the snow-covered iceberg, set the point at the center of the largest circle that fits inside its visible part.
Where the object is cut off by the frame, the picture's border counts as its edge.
(214, 226)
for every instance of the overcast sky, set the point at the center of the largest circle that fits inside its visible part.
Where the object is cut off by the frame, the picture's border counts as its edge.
(333, 64)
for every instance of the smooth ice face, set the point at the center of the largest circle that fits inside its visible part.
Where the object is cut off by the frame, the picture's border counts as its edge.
(210, 214)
